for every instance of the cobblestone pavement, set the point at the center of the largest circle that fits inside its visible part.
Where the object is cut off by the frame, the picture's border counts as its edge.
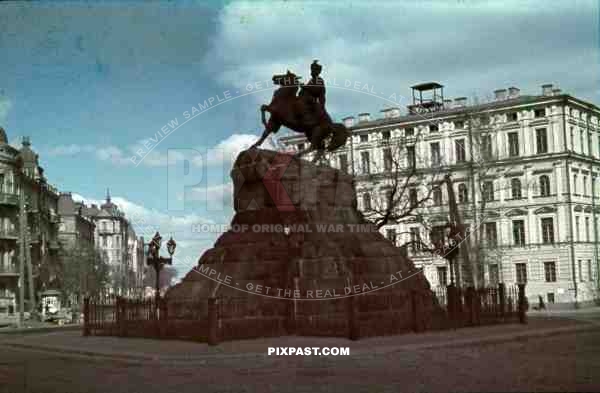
(561, 362)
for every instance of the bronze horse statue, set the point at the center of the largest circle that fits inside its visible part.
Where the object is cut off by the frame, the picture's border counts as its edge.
(299, 114)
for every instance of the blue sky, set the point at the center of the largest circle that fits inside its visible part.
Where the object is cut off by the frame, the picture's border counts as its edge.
(91, 83)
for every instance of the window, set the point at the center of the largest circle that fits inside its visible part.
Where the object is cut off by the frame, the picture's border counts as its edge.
(513, 144)
(519, 232)
(584, 185)
(437, 236)
(433, 128)
(541, 112)
(541, 141)
(581, 145)
(521, 270)
(574, 184)
(387, 159)
(491, 234)
(463, 196)
(577, 237)
(411, 158)
(366, 162)
(486, 146)
(390, 234)
(388, 199)
(580, 269)
(366, 198)
(437, 196)
(415, 238)
(513, 116)
(435, 153)
(104, 241)
(587, 229)
(1, 182)
(544, 186)
(343, 162)
(494, 276)
(550, 297)
(547, 230)
(442, 272)
(385, 135)
(515, 185)
(459, 125)
(409, 132)
(412, 194)
(589, 270)
(364, 138)
(488, 191)
(459, 147)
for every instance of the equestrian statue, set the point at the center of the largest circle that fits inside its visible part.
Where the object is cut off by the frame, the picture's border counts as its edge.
(304, 113)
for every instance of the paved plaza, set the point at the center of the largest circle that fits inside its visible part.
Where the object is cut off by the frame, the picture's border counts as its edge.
(547, 354)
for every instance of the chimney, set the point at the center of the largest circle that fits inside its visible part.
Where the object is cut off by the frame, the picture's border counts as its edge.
(547, 89)
(513, 92)
(348, 121)
(365, 116)
(390, 113)
(500, 94)
(460, 102)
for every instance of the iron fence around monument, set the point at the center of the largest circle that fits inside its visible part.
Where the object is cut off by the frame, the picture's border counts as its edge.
(370, 314)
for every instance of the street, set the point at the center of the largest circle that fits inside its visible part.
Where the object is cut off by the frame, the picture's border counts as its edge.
(561, 362)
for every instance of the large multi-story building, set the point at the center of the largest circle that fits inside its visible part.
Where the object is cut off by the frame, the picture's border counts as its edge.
(112, 236)
(525, 175)
(20, 171)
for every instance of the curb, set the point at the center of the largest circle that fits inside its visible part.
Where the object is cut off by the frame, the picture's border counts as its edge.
(202, 359)
(49, 329)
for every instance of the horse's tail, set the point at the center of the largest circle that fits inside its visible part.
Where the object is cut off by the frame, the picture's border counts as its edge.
(340, 135)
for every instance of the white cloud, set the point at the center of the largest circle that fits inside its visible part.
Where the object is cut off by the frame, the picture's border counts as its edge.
(5, 105)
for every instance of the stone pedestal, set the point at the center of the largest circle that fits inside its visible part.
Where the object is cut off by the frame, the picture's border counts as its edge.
(297, 250)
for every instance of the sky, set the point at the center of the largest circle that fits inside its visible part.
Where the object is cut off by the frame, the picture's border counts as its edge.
(103, 89)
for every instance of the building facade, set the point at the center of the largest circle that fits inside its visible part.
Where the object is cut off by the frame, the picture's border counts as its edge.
(524, 173)
(75, 228)
(37, 212)
(112, 236)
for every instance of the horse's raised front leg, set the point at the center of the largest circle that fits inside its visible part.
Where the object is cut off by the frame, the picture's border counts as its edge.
(271, 127)
(263, 109)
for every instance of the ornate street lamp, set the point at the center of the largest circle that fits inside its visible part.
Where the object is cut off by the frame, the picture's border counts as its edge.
(157, 262)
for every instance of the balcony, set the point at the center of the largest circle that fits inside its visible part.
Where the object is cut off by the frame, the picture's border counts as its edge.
(9, 199)
(9, 270)
(8, 234)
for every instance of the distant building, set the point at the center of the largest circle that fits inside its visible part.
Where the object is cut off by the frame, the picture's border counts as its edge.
(541, 195)
(75, 228)
(112, 236)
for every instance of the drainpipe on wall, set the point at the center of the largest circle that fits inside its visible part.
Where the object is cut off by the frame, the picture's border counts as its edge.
(570, 206)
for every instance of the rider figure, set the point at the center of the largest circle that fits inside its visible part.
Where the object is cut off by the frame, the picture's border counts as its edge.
(314, 92)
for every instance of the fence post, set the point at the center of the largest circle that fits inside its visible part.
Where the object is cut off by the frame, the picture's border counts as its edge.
(351, 314)
(164, 317)
(502, 300)
(451, 303)
(213, 338)
(469, 302)
(522, 311)
(118, 315)
(86, 316)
